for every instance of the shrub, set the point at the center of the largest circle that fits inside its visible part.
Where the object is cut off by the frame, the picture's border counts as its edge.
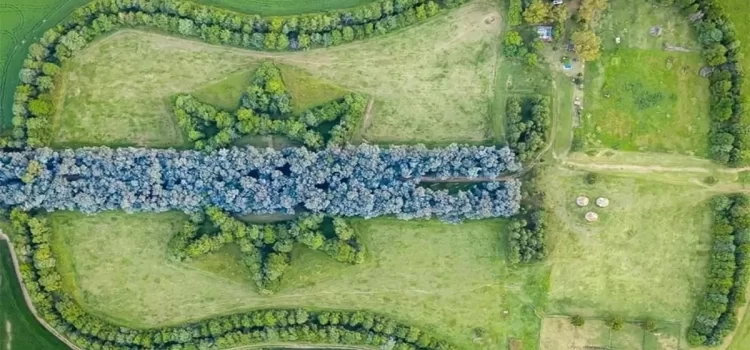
(649, 325)
(591, 178)
(577, 320)
(616, 323)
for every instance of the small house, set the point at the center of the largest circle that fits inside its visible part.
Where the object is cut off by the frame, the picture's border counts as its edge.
(544, 32)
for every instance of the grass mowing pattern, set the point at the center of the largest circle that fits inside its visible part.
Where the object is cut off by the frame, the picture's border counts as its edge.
(646, 256)
(15, 317)
(448, 278)
(283, 7)
(21, 21)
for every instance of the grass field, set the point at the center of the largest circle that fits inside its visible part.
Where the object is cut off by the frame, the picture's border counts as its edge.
(19, 329)
(449, 278)
(645, 257)
(307, 90)
(434, 87)
(558, 333)
(21, 22)
(640, 97)
(283, 7)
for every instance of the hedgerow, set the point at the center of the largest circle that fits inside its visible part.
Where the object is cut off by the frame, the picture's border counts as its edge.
(363, 181)
(728, 274)
(527, 240)
(42, 281)
(729, 130)
(33, 102)
(266, 109)
(528, 120)
(266, 248)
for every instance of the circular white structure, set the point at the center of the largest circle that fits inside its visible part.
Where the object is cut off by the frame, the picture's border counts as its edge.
(582, 201)
(591, 216)
(602, 202)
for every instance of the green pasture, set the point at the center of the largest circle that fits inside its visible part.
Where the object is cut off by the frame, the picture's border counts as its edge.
(640, 96)
(284, 7)
(21, 23)
(646, 256)
(19, 329)
(444, 277)
(430, 83)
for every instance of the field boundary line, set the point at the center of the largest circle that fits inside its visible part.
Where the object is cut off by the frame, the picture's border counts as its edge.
(27, 298)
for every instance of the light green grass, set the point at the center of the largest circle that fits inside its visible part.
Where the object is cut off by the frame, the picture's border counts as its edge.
(19, 330)
(645, 257)
(284, 7)
(447, 278)
(431, 82)
(672, 115)
(307, 90)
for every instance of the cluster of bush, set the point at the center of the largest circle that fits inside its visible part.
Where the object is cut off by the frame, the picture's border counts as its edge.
(528, 121)
(266, 248)
(37, 264)
(266, 109)
(33, 103)
(515, 47)
(721, 49)
(727, 279)
(527, 240)
(363, 181)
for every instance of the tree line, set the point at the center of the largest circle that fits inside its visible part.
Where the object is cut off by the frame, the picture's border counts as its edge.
(31, 236)
(728, 274)
(266, 248)
(33, 103)
(266, 109)
(362, 181)
(527, 236)
(528, 120)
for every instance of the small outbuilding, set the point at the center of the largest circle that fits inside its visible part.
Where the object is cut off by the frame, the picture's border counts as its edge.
(557, 2)
(544, 32)
(582, 201)
(602, 202)
(591, 216)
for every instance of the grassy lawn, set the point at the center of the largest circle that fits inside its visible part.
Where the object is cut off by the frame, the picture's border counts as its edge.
(283, 7)
(640, 97)
(645, 257)
(307, 90)
(18, 327)
(449, 278)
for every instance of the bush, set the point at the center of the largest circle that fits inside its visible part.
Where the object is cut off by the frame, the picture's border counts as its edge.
(616, 323)
(591, 178)
(577, 320)
(649, 325)
(728, 275)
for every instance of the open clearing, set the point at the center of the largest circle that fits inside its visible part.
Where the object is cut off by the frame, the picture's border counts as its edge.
(283, 7)
(451, 278)
(558, 333)
(432, 87)
(645, 257)
(640, 97)
(19, 330)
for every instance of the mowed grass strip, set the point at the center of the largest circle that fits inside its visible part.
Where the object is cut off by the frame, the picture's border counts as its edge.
(284, 7)
(448, 278)
(646, 256)
(431, 82)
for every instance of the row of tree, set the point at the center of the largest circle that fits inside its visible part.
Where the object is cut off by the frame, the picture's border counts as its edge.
(37, 264)
(528, 120)
(362, 181)
(266, 248)
(266, 109)
(33, 103)
(728, 275)
(527, 236)
(729, 130)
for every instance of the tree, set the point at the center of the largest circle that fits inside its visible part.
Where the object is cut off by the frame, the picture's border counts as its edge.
(513, 44)
(590, 10)
(587, 44)
(577, 320)
(538, 12)
(616, 323)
